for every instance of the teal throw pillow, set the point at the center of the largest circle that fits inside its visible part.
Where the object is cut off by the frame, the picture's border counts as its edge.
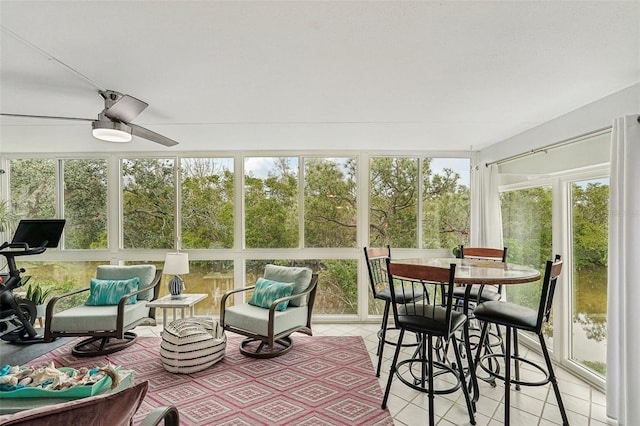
(109, 292)
(267, 291)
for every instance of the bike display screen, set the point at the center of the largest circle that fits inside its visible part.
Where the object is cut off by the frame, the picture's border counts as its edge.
(35, 231)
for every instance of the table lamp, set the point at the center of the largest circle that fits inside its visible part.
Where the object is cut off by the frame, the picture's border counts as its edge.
(176, 264)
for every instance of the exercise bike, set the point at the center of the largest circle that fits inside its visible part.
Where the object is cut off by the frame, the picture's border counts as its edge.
(17, 315)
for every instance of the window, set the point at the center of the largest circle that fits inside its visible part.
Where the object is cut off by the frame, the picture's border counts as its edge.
(85, 204)
(393, 202)
(33, 188)
(445, 202)
(330, 202)
(589, 243)
(337, 292)
(148, 203)
(294, 210)
(271, 202)
(527, 232)
(207, 189)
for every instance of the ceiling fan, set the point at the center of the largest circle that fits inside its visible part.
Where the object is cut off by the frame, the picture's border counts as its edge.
(114, 121)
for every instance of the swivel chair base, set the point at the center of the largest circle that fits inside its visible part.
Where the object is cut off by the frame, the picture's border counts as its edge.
(280, 347)
(87, 347)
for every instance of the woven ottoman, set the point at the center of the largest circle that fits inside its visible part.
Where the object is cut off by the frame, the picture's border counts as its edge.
(192, 344)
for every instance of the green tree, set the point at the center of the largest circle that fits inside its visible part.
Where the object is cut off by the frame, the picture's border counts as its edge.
(393, 202)
(32, 186)
(330, 211)
(271, 207)
(148, 202)
(85, 204)
(446, 208)
(207, 204)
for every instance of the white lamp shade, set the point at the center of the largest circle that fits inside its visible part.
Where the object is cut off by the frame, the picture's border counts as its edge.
(176, 264)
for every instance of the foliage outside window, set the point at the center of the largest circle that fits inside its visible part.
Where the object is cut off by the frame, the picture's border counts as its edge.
(207, 189)
(61, 277)
(33, 188)
(337, 282)
(590, 210)
(271, 202)
(330, 202)
(527, 233)
(393, 202)
(148, 203)
(85, 204)
(445, 202)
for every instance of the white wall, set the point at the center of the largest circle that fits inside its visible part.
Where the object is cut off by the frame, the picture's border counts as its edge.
(586, 119)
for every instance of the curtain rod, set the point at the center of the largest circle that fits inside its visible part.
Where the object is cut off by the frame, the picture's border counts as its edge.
(552, 146)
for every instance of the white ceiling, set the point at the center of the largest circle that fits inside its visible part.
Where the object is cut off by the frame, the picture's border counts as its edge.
(310, 74)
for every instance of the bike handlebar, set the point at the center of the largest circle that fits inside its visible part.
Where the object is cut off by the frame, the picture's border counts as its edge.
(26, 250)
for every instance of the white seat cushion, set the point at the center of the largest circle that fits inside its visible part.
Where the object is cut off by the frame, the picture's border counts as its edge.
(96, 318)
(256, 320)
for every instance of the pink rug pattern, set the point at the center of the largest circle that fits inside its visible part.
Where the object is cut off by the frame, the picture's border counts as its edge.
(324, 380)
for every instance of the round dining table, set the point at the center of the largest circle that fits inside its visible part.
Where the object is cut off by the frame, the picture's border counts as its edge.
(482, 272)
(475, 271)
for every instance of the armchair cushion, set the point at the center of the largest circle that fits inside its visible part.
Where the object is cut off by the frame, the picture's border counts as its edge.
(145, 273)
(256, 320)
(300, 277)
(109, 292)
(91, 318)
(267, 291)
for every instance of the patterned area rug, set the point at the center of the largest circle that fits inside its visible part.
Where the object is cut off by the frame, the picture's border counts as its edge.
(324, 380)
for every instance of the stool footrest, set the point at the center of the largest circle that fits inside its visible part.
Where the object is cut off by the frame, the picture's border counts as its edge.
(496, 374)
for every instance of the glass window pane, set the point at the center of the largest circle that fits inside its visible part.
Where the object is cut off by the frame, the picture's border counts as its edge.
(148, 203)
(445, 202)
(33, 188)
(590, 210)
(393, 202)
(526, 227)
(85, 204)
(330, 203)
(207, 186)
(271, 202)
(212, 277)
(61, 277)
(337, 282)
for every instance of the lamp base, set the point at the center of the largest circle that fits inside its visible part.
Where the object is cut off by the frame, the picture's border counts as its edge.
(176, 287)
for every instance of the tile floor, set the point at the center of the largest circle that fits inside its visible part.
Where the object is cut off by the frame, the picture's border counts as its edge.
(584, 404)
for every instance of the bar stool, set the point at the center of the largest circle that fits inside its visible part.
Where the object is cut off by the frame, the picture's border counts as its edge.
(515, 317)
(482, 293)
(379, 282)
(431, 316)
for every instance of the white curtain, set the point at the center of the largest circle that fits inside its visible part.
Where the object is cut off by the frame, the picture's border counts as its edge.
(623, 310)
(486, 221)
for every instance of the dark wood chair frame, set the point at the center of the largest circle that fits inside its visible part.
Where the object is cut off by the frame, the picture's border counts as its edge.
(277, 344)
(122, 333)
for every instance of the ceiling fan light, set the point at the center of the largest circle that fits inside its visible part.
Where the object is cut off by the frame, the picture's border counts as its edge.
(111, 131)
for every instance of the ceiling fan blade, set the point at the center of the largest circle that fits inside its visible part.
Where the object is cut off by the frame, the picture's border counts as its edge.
(125, 109)
(150, 135)
(52, 117)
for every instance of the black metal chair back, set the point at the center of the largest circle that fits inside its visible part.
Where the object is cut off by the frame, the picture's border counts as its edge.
(377, 267)
(551, 274)
(422, 297)
(422, 301)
